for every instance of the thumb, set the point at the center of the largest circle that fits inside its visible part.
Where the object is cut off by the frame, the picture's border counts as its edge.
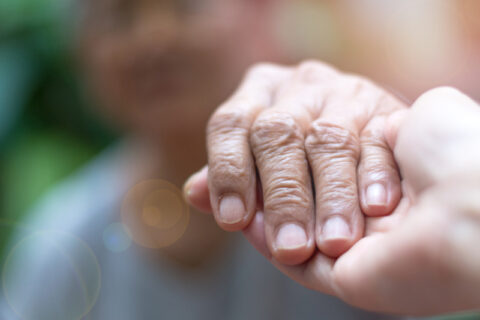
(439, 137)
(196, 193)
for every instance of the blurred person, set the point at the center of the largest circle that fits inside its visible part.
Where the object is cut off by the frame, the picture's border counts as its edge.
(159, 68)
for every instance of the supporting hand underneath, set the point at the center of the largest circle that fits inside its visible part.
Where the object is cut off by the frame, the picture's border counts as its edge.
(422, 259)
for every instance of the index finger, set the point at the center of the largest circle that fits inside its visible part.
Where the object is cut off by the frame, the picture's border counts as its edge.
(231, 174)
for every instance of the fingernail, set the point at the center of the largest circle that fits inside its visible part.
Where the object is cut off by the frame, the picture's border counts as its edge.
(336, 228)
(232, 209)
(291, 236)
(376, 195)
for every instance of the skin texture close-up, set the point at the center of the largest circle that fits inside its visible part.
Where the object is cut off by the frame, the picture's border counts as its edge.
(315, 137)
(419, 260)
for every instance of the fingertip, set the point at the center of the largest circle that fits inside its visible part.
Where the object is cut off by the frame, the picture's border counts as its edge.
(392, 127)
(376, 195)
(292, 245)
(195, 181)
(334, 248)
(232, 214)
(234, 211)
(380, 198)
(336, 237)
(196, 192)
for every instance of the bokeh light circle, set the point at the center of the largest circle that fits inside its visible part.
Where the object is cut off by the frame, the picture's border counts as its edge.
(51, 275)
(116, 238)
(155, 213)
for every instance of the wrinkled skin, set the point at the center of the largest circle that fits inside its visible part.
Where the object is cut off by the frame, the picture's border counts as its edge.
(298, 125)
(421, 259)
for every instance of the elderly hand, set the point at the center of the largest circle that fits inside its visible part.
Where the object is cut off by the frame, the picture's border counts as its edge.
(423, 259)
(292, 125)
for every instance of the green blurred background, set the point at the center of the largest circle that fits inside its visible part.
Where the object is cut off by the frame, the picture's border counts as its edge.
(46, 129)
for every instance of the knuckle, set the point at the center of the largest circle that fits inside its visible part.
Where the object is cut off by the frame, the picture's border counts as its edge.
(339, 186)
(357, 81)
(370, 95)
(373, 132)
(358, 85)
(389, 103)
(275, 129)
(262, 70)
(330, 138)
(339, 198)
(315, 66)
(373, 142)
(229, 168)
(286, 192)
(362, 89)
(378, 166)
(314, 71)
(227, 121)
(377, 158)
(227, 136)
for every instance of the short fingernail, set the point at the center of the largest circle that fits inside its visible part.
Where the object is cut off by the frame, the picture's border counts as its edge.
(232, 209)
(291, 236)
(376, 195)
(336, 228)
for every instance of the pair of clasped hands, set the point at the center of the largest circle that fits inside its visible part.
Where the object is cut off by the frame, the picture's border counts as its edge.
(347, 190)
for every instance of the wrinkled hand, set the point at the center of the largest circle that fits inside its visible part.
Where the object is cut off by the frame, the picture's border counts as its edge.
(292, 125)
(422, 259)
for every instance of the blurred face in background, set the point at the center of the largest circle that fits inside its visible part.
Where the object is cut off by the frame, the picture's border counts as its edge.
(160, 67)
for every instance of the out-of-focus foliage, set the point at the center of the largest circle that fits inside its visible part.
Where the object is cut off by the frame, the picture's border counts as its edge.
(46, 130)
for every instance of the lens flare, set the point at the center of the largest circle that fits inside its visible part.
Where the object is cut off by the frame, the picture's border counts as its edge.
(155, 213)
(51, 275)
